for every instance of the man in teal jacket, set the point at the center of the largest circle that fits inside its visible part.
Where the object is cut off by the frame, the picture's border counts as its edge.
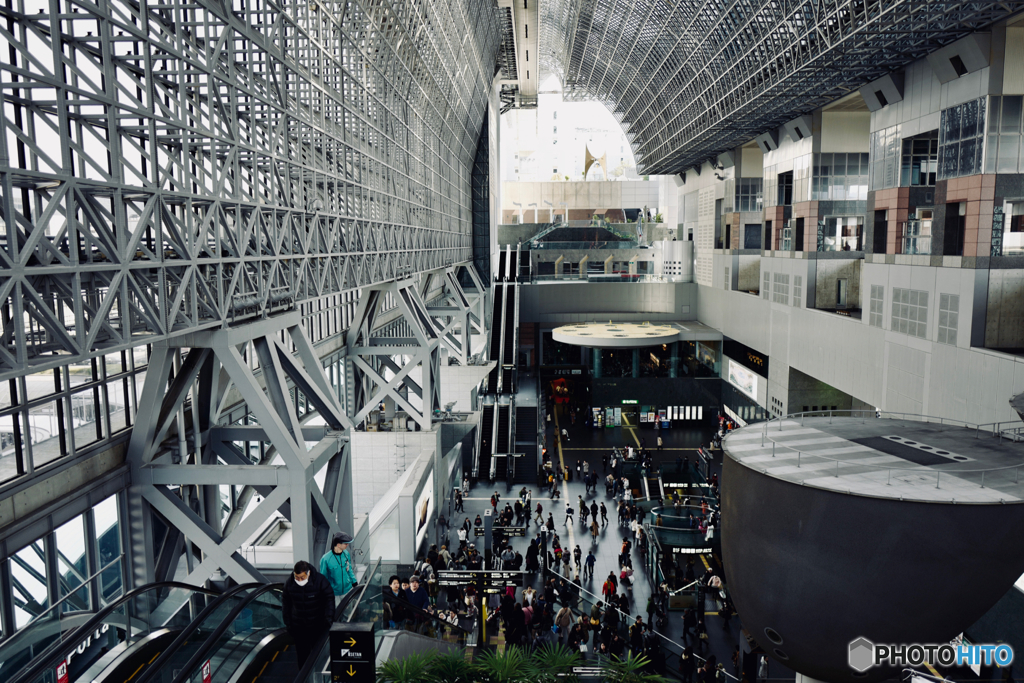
(336, 565)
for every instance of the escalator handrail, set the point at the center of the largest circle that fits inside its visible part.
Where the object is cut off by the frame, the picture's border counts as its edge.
(211, 641)
(186, 633)
(307, 668)
(54, 654)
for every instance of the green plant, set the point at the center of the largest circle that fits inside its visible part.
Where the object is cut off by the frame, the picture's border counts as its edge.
(659, 218)
(550, 660)
(412, 669)
(510, 666)
(631, 670)
(452, 667)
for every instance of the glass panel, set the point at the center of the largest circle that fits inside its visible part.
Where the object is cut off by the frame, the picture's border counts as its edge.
(28, 572)
(1007, 159)
(969, 124)
(72, 565)
(969, 157)
(45, 427)
(1011, 114)
(85, 418)
(993, 121)
(108, 540)
(990, 153)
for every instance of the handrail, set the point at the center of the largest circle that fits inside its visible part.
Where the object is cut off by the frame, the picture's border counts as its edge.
(201, 655)
(766, 434)
(54, 654)
(307, 668)
(73, 591)
(188, 631)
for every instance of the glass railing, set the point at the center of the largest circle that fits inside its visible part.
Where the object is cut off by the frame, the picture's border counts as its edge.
(239, 633)
(317, 667)
(584, 245)
(49, 627)
(917, 244)
(179, 654)
(600, 277)
(132, 618)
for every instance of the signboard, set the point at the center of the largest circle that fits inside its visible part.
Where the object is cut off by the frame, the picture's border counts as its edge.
(207, 672)
(509, 530)
(743, 379)
(629, 401)
(353, 654)
(997, 231)
(746, 356)
(472, 577)
(62, 672)
(588, 671)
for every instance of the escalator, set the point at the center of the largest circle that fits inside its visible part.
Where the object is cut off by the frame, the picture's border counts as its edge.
(483, 469)
(509, 352)
(526, 443)
(501, 442)
(125, 635)
(496, 340)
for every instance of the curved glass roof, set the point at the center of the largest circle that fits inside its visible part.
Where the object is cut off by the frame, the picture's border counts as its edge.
(690, 79)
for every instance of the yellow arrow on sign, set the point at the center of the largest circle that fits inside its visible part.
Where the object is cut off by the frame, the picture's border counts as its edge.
(351, 671)
(350, 641)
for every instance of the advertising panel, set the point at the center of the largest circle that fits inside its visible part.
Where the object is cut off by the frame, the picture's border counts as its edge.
(743, 379)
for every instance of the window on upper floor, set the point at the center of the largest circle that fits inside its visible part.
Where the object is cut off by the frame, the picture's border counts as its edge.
(766, 288)
(798, 290)
(1005, 148)
(961, 131)
(840, 177)
(920, 160)
(842, 233)
(748, 194)
(885, 158)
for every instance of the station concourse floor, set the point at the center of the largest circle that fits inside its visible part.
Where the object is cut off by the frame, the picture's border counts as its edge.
(590, 444)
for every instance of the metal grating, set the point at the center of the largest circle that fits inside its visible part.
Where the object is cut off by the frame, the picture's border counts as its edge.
(688, 80)
(175, 166)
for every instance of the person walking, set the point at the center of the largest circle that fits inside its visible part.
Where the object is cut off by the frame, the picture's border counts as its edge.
(577, 557)
(661, 443)
(539, 518)
(588, 564)
(336, 565)
(686, 664)
(604, 515)
(307, 605)
(458, 502)
(594, 529)
(565, 434)
(568, 514)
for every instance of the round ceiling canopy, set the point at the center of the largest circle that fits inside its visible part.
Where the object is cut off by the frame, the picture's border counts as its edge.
(615, 335)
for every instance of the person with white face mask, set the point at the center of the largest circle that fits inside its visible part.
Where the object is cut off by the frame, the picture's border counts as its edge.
(308, 606)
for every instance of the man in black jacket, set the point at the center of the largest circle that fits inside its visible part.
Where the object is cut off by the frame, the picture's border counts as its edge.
(308, 606)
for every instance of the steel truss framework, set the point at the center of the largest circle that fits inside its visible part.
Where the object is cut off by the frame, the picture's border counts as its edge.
(178, 166)
(379, 367)
(688, 80)
(182, 457)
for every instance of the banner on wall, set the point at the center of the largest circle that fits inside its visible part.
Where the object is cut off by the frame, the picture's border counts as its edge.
(743, 379)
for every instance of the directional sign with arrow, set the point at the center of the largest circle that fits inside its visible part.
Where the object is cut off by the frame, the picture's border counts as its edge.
(353, 655)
